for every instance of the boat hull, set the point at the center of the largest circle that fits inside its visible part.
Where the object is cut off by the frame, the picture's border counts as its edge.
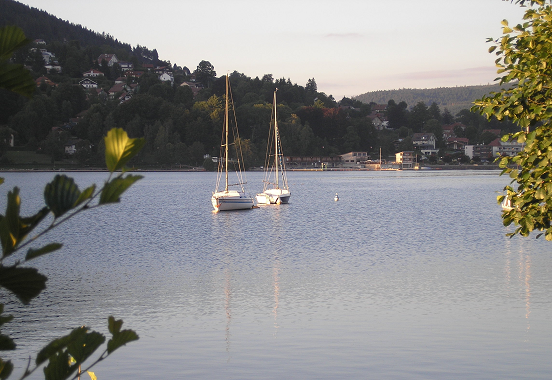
(273, 196)
(231, 200)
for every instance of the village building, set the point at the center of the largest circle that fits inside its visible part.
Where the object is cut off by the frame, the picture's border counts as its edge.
(353, 159)
(457, 143)
(195, 87)
(167, 77)
(506, 148)
(313, 161)
(125, 66)
(88, 83)
(110, 59)
(46, 81)
(406, 160)
(425, 142)
(92, 73)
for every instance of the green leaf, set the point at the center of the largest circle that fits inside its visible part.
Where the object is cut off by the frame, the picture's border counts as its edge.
(58, 367)
(33, 253)
(119, 148)
(59, 344)
(17, 78)
(14, 77)
(14, 229)
(86, 194)
(25, 283)
(112, 190)
(61, 195)
(6, 368)
(6, 343)
(6, 318)
(82, 348)
(11, 39)
(120, 337)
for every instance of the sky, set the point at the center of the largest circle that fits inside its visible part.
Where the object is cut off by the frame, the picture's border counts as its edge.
(349, 47)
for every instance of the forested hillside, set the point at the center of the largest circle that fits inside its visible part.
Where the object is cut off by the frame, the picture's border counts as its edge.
(454, 99)
(180, 112)
(38, 24)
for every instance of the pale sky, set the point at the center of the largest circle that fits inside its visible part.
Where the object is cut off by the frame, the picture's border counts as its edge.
(349, 47)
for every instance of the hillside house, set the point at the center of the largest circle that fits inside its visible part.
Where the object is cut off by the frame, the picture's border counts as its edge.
(378, 121)
(88, 83)
(53, 68)
(448, 130)
(110, 59)
(167, 77)
(425, 142)
(378, 108)
(49, 58)
(195, 87)
(93, 73)
(134, 74)
(71, 146)
(46, 81)
(125, 66)
(457, 143)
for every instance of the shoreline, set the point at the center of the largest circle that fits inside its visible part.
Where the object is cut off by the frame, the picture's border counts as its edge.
(200, 170)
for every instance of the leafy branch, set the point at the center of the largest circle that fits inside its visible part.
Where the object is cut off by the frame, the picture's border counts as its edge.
(64, 200)
(524, 60)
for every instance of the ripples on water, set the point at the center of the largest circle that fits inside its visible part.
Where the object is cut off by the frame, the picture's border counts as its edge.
(408, 275)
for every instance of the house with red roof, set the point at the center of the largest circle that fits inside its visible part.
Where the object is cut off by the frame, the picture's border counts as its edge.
(93, 73)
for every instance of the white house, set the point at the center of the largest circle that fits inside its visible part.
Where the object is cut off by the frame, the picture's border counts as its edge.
(167, 77)
(88, 83)
(425, 142)
(93, 73)
(111, 59)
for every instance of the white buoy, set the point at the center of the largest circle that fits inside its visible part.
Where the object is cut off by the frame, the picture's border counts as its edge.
(336, 198)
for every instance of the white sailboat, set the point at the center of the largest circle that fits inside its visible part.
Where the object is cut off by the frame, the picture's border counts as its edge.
(275, 188)
(227, 199)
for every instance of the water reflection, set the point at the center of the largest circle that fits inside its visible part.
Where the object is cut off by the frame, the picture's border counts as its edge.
(276, 280)
(227, 309)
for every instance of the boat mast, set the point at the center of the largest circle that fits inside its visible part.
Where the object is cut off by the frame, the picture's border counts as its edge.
(226, 144)
(276, 153)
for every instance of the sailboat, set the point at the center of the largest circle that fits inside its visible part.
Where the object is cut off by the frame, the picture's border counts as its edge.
(227, 199)
(275, 189)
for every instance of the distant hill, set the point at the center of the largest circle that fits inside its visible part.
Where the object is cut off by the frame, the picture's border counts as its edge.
(454, 99)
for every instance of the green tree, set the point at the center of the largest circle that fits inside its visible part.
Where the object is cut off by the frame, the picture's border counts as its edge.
(205, 73)
(525, 62)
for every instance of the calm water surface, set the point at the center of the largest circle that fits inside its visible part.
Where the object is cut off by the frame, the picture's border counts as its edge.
(408, 276)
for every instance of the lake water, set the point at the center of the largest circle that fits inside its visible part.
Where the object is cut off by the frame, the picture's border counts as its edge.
(408, 276)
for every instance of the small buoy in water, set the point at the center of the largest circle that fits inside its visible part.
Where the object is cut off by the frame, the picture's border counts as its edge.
(336, 198)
